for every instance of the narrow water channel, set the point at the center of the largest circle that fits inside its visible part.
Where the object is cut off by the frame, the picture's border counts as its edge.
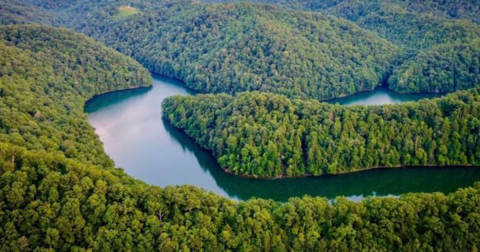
(134, 135)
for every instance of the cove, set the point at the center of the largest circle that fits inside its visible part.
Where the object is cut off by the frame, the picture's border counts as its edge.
(379, 96)
(134, 135)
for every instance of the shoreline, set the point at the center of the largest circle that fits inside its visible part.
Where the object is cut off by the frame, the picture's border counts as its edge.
(348, 172)
(282, 176)
(118, 91)
(382, 167)
(341, 96)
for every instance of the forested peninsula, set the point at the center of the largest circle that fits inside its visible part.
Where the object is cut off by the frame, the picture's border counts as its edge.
(267, 135)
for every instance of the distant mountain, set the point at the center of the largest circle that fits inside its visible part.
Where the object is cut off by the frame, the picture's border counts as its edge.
(245, 47)
(236, 47)
(15, 12)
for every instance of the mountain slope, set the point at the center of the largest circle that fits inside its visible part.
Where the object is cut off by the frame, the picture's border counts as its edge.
(244, 47)
(237, 47)
(450, 9)
(417, 27)
(442, 69)
(16, 12)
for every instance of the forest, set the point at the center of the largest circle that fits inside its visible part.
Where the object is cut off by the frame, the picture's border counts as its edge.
(267, 135)
(452, 9)
(47, 75)
(60, 192)
(419, 28)
(245, 47)
(344, 47)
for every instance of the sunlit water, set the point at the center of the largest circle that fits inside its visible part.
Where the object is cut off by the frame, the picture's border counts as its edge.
(134, 135)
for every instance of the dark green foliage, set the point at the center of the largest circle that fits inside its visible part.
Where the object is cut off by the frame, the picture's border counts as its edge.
(239, 47)
(413, 30)
(15, 12)
(451, 9)
(443, 69)
(429, 37)
(417, 27)
(235, 47)
(244, 47)
(268, 135)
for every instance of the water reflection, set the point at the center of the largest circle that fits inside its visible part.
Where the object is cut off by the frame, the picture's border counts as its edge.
(380, 96)
(129, 124)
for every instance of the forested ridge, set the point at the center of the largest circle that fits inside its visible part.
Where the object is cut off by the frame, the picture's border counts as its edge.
(56, 199)
(266, 135)
(244, 47)
(236, 47)
(14, 12)
(446, 67)
(417, 27)
(453, 9)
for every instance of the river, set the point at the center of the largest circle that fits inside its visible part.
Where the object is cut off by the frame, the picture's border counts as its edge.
(134, 135)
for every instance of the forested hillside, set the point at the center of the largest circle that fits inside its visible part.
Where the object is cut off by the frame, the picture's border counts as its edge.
(422, 29)
(244, 47)
(266, 135)
(443, 69)
(235, 47)
(417, 27)
(452, 9)
(15, 12)
(46, 76)
(59, 191)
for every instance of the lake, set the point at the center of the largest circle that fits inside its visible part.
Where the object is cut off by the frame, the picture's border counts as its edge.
(129, 124)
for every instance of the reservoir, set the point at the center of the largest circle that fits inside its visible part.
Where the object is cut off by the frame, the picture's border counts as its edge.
(129, 124)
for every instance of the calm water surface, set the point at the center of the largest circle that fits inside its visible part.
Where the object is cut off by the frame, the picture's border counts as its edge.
(380, 96)
(134, 135)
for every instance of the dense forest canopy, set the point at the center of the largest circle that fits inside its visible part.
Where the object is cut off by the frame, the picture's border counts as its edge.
(244, 47)
(341, 48)
(417, 27)
(60, 191)
(42, 108)
(266, 135)
(442, 69)
(13, 12)
(452, 9)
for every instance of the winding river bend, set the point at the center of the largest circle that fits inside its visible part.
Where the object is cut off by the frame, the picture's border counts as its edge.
(134, 135)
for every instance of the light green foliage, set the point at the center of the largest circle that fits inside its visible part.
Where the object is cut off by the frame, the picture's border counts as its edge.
(125, 11)
(51, 202)
(46, 75)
